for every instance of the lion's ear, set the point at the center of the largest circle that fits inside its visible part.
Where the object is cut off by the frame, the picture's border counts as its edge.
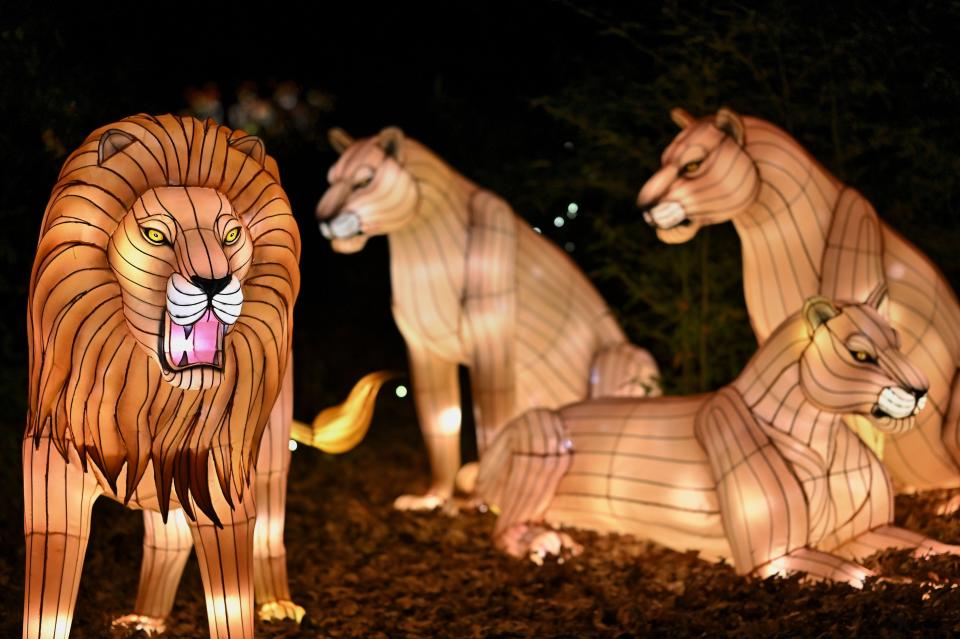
(339, 139)
(817, 310)
(730, 123)
(391, 141)
(252, 146)
(111, 143)
(681, 118)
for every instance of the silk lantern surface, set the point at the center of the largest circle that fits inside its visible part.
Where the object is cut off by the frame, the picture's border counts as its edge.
(474, 285)
(159, 321)
(763, 471)
(803, 233)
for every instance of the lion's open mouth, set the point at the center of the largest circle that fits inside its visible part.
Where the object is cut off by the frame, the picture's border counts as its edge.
(196, 344)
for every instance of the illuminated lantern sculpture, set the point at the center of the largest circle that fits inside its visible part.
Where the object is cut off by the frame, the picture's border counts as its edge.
(804, 233)
(763, 471)
(159, 319)
(474, 285)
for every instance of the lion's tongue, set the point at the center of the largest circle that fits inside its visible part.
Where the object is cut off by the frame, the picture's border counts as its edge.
(200, 345)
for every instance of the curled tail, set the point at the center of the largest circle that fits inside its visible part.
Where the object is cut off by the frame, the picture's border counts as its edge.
(339, 428)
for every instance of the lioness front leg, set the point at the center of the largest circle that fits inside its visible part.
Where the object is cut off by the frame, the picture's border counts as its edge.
(817, 564)
(436, 393)
(885, 537)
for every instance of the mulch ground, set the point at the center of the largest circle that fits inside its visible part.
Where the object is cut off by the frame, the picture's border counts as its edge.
(362, 569)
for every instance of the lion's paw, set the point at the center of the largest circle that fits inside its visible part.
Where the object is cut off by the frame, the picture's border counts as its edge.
(280, 610)
(128, 624)
(419, 502)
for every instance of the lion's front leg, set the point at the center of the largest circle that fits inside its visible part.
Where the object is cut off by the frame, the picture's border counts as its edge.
(271, 585)
(225, 557)
(166, 548)
(58, 502)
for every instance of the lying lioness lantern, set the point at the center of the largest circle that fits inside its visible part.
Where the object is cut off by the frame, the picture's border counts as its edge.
(763, 472)
(803, 233)
(474, 285)
(159, 319)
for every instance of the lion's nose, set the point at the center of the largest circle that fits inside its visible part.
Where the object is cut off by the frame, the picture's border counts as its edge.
(209, 286)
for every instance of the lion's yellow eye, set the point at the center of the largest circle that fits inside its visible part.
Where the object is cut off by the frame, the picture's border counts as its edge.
(861, 356)
(690, 167)
(154, 236)
(232, 236)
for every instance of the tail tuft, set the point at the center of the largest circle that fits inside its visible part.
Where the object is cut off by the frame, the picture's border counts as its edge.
(339, 428)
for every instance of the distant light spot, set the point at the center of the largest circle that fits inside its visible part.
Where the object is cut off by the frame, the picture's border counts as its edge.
(558, 221)
(293, 445)
(536, 229)
(569, 246)
(568, 145)
(401, 391)
(572, 209)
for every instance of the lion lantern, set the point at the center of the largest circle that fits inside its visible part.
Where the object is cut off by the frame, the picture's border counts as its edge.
(474, 285)
(763, 472)
(159, 323)
(803, 233)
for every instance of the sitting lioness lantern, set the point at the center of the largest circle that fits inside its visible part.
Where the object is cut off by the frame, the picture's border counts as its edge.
(159, 320)
(474, 285)
(763, 472)
(803, 233)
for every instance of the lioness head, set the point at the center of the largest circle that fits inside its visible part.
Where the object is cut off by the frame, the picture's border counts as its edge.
(854, 365)
(370, 193)
(706, 177)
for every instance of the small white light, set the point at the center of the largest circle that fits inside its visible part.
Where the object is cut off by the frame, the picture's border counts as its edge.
(537, 230)
(401, 391)
(293, 445)
(572, 208)
(450, 421)
(558, 221)
(569, 246)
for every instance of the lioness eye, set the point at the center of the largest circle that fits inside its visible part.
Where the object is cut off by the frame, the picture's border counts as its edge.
(690, 167)
(232, 236)
(153, 236)
(363, 182)
(863, 356)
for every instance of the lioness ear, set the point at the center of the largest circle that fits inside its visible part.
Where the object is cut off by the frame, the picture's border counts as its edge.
(681, 118)
(730, 123)
(252, 146)
(339, 139)
(111, 143)
(817, 310)
(391, 141)
(877, 296)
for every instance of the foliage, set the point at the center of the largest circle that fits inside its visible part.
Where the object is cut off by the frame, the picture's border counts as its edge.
(866, 88)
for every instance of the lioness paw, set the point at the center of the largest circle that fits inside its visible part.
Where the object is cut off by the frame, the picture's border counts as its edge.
(419, 502)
